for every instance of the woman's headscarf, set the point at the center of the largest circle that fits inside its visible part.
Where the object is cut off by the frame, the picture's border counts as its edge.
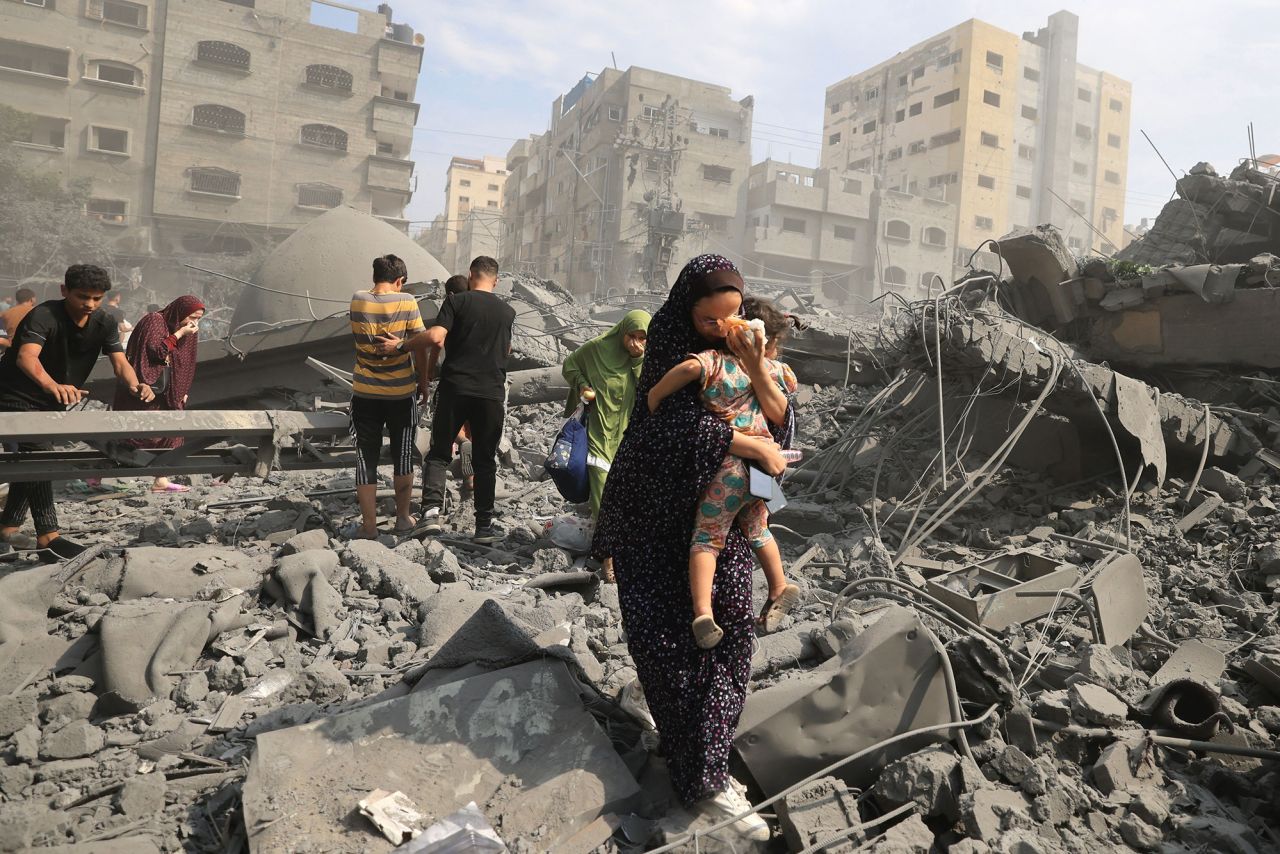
(604, 364)
(148, 351)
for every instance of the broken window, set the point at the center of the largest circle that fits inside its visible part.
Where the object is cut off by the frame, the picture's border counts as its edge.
(108, 211)
(869, 127)
(1116, 105)
(895, 276)
(853, 185)
(834, 107)
(324, 136)
(116, 72)
(1079, 168)
(834, 139)
(917, 147)
(650, 113)
(926, 280)
(990, 140)
(214, 182)
(995, 60)
(1084, 94)
(718, 174)
(934, 236)
(793, 225)
(1084, 132)
(990, 98)
(219, 118)
(319, 196)
(917, 72)
(983, 222)
(1075, 243)
(949, 138)
(950, 59)
(862, 165)
(108, 140)
(493, 187)
(1030, 113)
(614, 113)
(902, 80)
(894, 154)
(946, 98)
(1027, 152)
(915, 109)
(944, 179)
(1023, 192)
(1113, 140)
(896, 229)
(117, 12)
(1111, 177)
(223, 53)
(464, 182)
(872, 93)
(329, 77)
(986, 182)
(1031, 74)
(1109, 215)
(845, 232)
(900, 115)
(491, 204)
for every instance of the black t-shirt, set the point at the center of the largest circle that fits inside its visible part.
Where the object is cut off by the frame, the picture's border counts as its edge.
(68, 352)
(479, 324)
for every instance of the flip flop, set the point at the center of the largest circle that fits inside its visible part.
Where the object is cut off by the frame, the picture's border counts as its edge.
(172, 487)
(775, 609)
(405, 529)
(705, 631)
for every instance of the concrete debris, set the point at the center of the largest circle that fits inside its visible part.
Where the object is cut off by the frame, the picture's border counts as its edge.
(1088, 566)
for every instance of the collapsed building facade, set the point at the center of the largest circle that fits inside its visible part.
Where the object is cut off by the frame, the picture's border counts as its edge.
(1036, 527)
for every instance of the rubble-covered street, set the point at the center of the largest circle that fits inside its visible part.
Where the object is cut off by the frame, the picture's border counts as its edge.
(1039, 614)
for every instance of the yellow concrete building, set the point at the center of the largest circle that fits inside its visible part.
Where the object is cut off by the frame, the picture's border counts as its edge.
(1011, 130)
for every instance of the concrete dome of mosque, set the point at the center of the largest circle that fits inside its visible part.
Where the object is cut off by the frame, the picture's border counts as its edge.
(328, 259)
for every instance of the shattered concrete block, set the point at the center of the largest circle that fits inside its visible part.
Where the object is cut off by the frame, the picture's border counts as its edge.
(387, 573)
(14, 779)
(443, 614)
(987, 813)
(68, 684)
(26, 743)
(1093, 704)
(142, 795)
(1268, 558)
(76, 739)
(274, 521)
(302, 579)
(909, 836)
(816, 812)
(1054, 706)
(16, 712)
(68, 707)
(1012, 765)
(442, 565)
(199, 527)
(1123, 767)
(315, 539)
(1139, 835)
(927, 777)
(1020, 731)
(1100, 664)
(192, 688)
(1224, 483)
(161, 532)
(552, 560)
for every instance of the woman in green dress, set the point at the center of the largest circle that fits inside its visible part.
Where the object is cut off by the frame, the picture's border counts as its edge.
(604, 371)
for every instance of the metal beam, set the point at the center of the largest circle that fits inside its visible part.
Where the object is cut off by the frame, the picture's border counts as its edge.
(86, 425)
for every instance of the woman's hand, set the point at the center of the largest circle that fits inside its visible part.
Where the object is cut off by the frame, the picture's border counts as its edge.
(764, 452)
(186, 329)
(749, 350)
(588, 393)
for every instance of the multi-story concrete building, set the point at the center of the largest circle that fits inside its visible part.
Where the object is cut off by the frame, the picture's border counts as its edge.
(88, 73)
(637, 168)
(273, 111)
(810, 225)
(1012, 131)
(206, 125)
(471, 224)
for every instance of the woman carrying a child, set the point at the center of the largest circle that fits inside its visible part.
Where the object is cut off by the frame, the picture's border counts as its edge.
(661, 471)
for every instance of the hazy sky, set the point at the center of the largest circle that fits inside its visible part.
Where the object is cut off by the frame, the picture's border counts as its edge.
(493, 67)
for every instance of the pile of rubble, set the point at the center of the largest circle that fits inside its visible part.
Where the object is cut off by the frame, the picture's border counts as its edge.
(1039, 570)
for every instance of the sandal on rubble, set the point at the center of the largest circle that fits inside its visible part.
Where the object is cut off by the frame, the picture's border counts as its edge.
(705, 631)
(172, 487)
(775, 609)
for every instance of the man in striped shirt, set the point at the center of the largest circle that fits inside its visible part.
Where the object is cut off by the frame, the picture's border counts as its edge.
(383, 392)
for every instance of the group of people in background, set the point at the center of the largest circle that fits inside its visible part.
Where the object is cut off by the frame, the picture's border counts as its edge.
(678, 405)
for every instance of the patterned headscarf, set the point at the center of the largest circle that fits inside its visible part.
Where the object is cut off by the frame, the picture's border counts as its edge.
(147, 350)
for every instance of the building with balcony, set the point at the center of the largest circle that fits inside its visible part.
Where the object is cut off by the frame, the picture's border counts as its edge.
(473, 190)
(1011, 130)
(810, 227)
(272, 112)
(639, 170)
(86, 72)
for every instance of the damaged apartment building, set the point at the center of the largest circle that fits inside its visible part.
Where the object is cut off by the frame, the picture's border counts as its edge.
(210, 126)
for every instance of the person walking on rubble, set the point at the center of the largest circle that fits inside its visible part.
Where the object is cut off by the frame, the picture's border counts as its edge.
(162, 352)
(54, 351)
(604, 372)
(665, 462)
(383, 391)
(476, 326)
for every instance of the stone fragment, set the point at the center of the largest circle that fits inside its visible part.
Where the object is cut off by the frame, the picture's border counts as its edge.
(1020, 731)
(274, 521)
(1093, 704)
(818, 811)
(313, 540)
(14, 779)
(989, 812)
(1224, 483)
(16, 712)
(909, 836)
(160, 532)
(1099, 664)
(73, 706)
(386, 573)
(76, 739)
(926, 777)
(1269, 559)
(442, 565)
(199, 527)
(1122, 767)
(551, 560)
(1140, 835)
(68, 684)
(193, 688)
(142, 795)
(346, 648)
(1053, 706)
(1012, 765)
(26, 743)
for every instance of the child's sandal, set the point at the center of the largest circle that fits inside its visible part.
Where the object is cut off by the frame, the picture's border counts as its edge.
(705, 631)
(775, 609)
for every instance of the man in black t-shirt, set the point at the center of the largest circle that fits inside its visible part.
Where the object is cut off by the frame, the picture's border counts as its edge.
(477, 325)
(54, 351)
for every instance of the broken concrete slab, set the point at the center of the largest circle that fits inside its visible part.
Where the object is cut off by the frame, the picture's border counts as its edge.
(386, 573)
(455, 743)
(173, 573)
(302, 579)
(818, 811)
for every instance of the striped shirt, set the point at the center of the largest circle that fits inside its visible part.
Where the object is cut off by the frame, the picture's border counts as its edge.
(372, 315)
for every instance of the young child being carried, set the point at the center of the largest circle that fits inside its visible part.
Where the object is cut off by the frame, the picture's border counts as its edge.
(726, 390)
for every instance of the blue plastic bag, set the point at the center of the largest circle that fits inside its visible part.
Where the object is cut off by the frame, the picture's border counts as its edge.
(566, 465)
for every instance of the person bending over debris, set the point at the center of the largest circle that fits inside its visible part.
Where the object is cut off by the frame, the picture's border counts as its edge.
(665, 463)
(477, 326)
(162, 352)
(604, 372)
(741, 382)
(382, 393)
(53, 353)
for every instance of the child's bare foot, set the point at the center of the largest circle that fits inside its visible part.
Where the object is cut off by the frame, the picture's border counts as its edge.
(778, 606)
(705, 631)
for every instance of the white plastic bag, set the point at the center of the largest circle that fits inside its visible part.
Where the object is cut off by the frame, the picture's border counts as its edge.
(571, 533)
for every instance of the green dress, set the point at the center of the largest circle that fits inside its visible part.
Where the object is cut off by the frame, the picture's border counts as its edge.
(604, 364)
